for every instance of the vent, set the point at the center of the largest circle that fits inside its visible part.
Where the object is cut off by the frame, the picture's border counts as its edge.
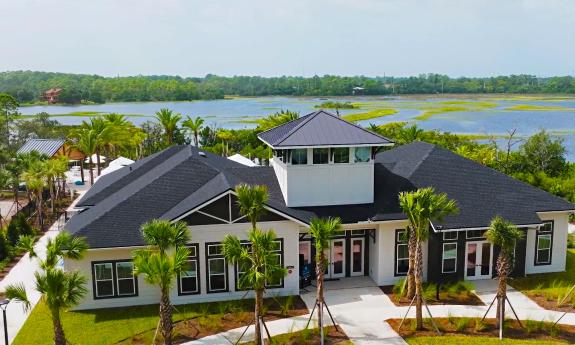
(203, 154)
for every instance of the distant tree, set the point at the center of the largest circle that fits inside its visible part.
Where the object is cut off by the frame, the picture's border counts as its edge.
(194, 125)
(8, 110)
(544, 153)
(277, 119)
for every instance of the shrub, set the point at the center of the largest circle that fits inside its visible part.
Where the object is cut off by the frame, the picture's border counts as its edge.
(400, 288)
(450, 318)
(286, 305)
(532, 326)
(459, 287)
(4, 248)
(480, 325)
(462, 323)
(552, 329)
(18, 227)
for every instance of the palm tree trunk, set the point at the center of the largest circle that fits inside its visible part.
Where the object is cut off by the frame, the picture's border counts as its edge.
(166, 318)
(196, 138)
(258, 308)
(91, 171)
(98, 161)
(418, 287)
(59, 336)
(411, 245)
(82, 170)
(320, 299)
(39, 208)
(502, 271)
(51, 187)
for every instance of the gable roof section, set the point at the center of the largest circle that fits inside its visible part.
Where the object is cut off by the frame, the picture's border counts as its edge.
(47, 147)
(320, 128)
(481, 192)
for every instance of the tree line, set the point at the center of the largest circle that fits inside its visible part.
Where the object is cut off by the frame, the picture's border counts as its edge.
(29, 86)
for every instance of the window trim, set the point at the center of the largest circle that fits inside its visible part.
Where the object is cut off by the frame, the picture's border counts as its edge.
(195, 258)
(396, 259)
(467, 237)
(114, 279)
(226, 274)
(544, 233)
(451, 239)
(443, 258)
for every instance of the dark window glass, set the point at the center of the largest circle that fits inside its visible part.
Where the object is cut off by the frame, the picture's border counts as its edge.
(104, 288)
(321, 156)
(449, 257)
(103, 276)
(450, 235)
(401, 252)
(357, 256)
(299, 156)
(341, 155)
(125, 277)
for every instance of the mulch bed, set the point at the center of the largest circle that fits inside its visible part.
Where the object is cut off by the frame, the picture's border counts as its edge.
(199, 327)
(544, 331)
(333, 337)
(445, 298)
(543, 302)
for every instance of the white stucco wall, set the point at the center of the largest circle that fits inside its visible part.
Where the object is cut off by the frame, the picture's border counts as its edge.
(148, 294)
(559, 252)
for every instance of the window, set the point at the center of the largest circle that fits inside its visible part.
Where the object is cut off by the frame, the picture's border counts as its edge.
(449, 264)
(401, 253)
(340, 155)
(321, 156)
(217, 275)
(475, 234)
(278, 260)
(357, 232)
(188, 282)
(114, 279)
(299, 156)
(450, 235)
(362, 154)
(544, 244)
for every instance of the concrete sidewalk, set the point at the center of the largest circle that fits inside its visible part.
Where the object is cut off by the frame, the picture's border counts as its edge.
(23, 272)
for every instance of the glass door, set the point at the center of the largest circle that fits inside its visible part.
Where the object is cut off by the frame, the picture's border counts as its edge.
(337, 259)
(478, 259)
(357, 256)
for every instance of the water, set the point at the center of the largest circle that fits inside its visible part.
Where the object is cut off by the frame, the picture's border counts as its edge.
(236, 113)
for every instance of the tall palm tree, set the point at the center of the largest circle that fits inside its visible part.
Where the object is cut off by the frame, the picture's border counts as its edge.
(259, 264)
(322, 230)
(35, 179)
(422, 207)
(104, 135)
(59, 289)
(169, 121)
(88, 145)
(160, 263)
(258, 259)
(194, 125)
(503, 234)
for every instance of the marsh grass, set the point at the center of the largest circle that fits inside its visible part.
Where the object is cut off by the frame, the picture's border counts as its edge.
(534, 107)
(372, 114)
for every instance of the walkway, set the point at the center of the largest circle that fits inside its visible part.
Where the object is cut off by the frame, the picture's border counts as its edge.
(23, 272)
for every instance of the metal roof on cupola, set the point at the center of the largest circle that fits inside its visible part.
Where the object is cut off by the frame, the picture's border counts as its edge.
(321, 128)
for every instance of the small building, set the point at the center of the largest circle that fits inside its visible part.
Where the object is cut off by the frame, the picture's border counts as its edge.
(51, 148)
(322, 166)
(51, 95)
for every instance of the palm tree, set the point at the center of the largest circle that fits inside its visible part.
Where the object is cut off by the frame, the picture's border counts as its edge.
(194, 125)
(322, 229)
(422, 207)
(169, 121)
(59, 289)
(104, 135)
(160, 263)
(411, 134)
(503, 234)
(259, 264)
(257, 260)
(35, 179)
(88, 144)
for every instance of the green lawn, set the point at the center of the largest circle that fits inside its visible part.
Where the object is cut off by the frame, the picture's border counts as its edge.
(472, 340)
(110, 326)
(551, 286)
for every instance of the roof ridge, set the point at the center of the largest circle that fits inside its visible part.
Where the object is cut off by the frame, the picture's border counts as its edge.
(432, 147)
(305, 119)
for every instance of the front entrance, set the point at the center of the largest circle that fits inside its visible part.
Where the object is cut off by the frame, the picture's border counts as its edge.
(478, 256)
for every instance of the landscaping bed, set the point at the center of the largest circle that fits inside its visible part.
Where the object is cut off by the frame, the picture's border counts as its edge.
(449, 294)
(452, 328)
(136, 325)
(310, 337)
(547, 289)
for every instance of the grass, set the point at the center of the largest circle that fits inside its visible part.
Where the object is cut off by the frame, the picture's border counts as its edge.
(372, 114)
(310, 337)
(548, 288)
(441, 110)
(476, 340)
(533, 107)
(124, 325)
(85, 114)
(337, 105)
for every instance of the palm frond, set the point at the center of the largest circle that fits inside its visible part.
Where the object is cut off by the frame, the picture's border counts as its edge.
(17, 292)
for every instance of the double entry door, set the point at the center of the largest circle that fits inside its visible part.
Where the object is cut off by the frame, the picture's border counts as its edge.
(478, 256)
(337, 258)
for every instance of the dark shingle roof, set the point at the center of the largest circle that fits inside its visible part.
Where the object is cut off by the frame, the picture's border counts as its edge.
(481, 192)
(46, 147)
(179, 179)
(320, 128)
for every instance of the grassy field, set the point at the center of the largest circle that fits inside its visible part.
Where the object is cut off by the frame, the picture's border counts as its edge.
(548, 288)
(121, 325)
(372, 114)
(474, 340)
(532, 107)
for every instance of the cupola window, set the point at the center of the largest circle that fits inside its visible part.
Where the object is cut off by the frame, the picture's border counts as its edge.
(299, 157)
(340, 155)
(362, 154)
(321, 156)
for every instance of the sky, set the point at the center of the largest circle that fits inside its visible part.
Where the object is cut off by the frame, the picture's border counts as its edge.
(293, 37)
